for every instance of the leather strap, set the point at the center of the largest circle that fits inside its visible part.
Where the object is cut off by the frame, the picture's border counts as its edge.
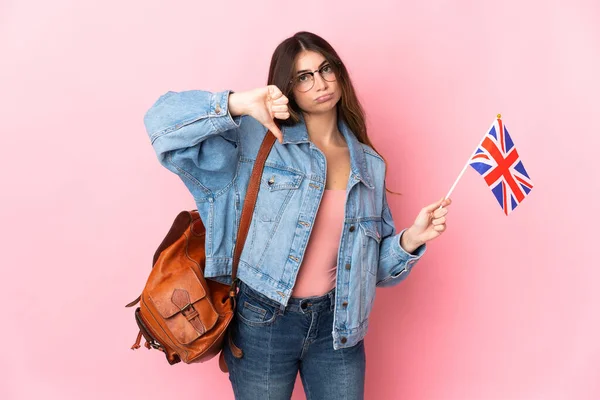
(242, 233)
(249, 203)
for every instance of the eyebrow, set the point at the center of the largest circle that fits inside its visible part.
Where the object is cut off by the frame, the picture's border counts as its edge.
(306, 70)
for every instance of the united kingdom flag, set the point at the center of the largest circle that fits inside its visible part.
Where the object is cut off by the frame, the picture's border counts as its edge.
(497, 161)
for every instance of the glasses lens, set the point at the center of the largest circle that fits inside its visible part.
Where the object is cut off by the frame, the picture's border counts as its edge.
(305, 82)
(327, 73)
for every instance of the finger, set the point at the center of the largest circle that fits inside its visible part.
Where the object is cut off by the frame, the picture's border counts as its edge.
(281, 115)
(282, 108)
(438, 213)
(281, 100)
(439, 221)
(274, 93)
(439, 228)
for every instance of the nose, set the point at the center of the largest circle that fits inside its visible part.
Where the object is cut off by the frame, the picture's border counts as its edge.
(320, 83)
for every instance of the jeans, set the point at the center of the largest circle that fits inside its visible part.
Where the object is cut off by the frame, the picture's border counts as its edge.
(279, 342)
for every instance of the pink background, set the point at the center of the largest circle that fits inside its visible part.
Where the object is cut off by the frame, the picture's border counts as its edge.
(500, 308)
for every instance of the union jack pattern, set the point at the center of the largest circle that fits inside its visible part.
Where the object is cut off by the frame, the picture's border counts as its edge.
(498, 162)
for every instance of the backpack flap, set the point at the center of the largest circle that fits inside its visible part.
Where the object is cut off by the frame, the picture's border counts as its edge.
(181, 301)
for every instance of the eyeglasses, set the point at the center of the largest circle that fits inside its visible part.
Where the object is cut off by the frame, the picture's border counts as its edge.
(306, 81)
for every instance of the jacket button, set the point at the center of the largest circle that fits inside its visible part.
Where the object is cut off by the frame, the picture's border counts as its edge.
(218, 108)
(345, 304)
(348, 266)
(344, 340)
(352, 228)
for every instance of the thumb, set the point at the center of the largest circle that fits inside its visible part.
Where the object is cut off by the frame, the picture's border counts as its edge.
(434, 206)
(275, 130)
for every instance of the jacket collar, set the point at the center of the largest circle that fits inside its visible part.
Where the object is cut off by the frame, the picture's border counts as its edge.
(297, 133)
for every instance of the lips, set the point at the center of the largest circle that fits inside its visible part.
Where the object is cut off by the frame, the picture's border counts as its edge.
(324, 98)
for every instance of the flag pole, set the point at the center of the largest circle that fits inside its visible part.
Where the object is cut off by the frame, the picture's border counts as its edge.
(468, 161)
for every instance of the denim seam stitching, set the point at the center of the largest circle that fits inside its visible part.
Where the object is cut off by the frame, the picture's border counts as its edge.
(257, 324)
(175, 127)
(276, 225)
(256, 309)
(274, 165)
(187, 175)
(345, 373)
(237, 169)
(263, 299)
(275, 283)
(306, 388)
(269, 362)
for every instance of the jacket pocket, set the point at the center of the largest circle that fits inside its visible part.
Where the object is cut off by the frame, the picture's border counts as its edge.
(274, 179)
(279, 194)
(277, 187)
(370, 238)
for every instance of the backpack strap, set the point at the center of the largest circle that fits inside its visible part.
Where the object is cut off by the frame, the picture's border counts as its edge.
(249, 203)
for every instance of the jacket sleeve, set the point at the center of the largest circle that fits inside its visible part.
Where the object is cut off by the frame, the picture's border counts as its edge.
(195, 136)
(395, 263)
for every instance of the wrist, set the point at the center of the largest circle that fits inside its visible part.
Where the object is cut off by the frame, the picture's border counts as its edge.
(237, 104)
(409, 242)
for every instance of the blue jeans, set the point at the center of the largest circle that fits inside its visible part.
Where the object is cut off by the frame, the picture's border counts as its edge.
(278, 342)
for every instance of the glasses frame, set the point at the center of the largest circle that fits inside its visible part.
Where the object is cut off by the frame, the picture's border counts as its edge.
(312, 74)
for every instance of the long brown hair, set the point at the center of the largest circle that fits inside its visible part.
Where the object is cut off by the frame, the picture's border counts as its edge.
(281, 72)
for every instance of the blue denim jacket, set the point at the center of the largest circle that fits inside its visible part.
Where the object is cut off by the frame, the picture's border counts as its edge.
(195, 136)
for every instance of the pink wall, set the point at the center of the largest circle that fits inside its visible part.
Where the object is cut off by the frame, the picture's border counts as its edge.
(85, 202)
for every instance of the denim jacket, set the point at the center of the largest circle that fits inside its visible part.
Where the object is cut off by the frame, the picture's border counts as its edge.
(195, 136)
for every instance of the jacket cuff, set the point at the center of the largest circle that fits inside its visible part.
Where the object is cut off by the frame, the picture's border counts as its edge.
(219, 112)
(406, 259)
(405, 255)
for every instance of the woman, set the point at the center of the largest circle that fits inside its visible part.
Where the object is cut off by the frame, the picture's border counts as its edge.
(322, 235)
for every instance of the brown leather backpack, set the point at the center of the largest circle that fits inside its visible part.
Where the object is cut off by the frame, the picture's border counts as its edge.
(181, 313)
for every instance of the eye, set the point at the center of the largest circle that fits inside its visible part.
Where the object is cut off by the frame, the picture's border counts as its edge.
(303, 78)
(326, 69)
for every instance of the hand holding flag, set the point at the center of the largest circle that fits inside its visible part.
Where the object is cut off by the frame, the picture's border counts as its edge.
(497, 161)
(429, 224)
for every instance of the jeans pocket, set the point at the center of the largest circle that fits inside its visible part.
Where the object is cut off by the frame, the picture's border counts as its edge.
(252, 311)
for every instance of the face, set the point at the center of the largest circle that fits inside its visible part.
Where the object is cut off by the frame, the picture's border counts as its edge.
(325, 92)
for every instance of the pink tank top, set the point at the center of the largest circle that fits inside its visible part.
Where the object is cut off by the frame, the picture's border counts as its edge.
(317, 273)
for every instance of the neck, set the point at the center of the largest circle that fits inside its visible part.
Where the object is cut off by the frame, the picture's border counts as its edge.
(322, 128)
